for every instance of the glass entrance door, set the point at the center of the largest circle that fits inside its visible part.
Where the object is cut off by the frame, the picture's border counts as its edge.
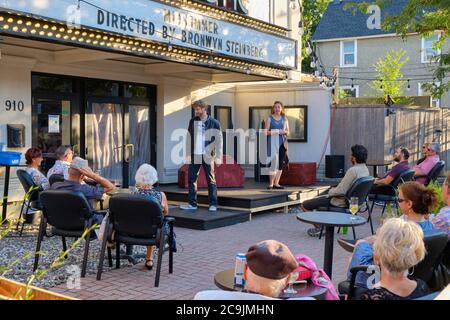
(105, 139)
(117, 140)
(51, 126)
(137, 149)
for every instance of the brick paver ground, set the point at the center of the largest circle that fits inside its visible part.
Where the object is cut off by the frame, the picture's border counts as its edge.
(201, 254)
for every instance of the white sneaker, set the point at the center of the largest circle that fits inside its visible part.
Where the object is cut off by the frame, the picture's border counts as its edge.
(188, 207)
(212, 208)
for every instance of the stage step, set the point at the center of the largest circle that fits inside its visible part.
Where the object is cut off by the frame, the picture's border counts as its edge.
(202, 219)
(253, 198)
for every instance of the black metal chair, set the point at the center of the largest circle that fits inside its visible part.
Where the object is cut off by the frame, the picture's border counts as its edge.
(136, 220)
(387, 193)
(435, 243)
(55, 178)
(70, 215)
(360, 189)
(31, 198)
(434, 173)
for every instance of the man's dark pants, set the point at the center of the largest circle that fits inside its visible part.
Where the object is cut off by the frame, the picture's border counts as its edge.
(194, 170)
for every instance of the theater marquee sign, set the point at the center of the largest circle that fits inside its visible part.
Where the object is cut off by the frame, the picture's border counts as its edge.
(156, 21)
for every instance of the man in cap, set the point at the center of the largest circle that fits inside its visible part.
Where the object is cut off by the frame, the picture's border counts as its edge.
(78, 170)
(269, 265)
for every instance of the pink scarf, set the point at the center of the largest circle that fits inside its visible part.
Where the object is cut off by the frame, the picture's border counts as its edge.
(319, 277)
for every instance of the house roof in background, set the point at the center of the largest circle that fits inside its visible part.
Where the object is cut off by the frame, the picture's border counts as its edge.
(338, 23)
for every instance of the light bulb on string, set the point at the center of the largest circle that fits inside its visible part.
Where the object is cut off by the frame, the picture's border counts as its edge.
(352, 84)
(308, 48)
(409, 85)
(301, 29)
(293, 4)
(313, 64)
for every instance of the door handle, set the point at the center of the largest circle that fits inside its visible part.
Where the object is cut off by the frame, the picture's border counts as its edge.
(75, 149)
(127, 150)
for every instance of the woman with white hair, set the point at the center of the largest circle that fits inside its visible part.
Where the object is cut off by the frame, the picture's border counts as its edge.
(146, 177)
(398, 247)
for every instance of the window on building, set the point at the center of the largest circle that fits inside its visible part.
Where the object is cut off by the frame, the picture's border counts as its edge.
(349, 53)
(424, 92)
(428, 51)
(261, 9)
(349, 92)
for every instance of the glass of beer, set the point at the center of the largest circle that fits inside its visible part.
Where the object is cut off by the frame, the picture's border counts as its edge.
(354, 207)
(292, 278)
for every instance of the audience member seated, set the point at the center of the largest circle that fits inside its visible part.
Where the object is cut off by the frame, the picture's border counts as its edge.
(432, 157)
(78, 170)
(146, 177)
(335, 196)
(416, 202)
(64, 157)
(399, 246)
(424, 152)
(442, 220)
(269, 264)
(401, 156)
(34, 158)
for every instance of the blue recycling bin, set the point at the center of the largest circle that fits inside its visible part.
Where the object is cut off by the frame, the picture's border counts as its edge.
(9, 158)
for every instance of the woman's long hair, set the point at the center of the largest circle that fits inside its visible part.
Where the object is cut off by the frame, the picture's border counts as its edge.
(282, 107)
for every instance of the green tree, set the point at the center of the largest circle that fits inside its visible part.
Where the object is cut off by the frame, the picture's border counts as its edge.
(423, 17)
(313, 11)
(389, 73)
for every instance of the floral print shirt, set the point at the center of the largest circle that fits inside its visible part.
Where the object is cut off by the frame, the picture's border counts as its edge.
(38, 178)
(442, 220)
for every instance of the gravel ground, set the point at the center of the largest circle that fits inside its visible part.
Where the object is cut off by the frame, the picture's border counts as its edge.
(14, 250)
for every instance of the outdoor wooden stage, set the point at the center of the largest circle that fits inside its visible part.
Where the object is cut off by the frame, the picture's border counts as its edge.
(236, 205)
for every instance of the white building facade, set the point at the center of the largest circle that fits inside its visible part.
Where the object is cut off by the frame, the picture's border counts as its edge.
(115, 79)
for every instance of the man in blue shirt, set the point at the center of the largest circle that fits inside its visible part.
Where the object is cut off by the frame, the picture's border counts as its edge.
(77, 172)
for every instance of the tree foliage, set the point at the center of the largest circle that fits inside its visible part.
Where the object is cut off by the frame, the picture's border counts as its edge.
(391, 79)
(313, 11)
(423, 17)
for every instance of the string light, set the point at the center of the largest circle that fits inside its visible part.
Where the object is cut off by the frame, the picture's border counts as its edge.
(293, 4)
(409, 86)
(143, 47)
(309, 50)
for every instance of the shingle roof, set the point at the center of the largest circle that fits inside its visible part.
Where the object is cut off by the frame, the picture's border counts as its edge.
(338, 23)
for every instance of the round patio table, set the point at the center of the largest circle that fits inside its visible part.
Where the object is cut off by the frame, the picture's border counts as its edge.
(375, 164)
(225, 281)
(330, 220)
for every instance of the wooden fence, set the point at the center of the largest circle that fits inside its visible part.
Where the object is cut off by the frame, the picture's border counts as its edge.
(382, 130)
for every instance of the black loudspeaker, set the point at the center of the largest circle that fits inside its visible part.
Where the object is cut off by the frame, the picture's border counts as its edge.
(334, 166)
(16, 135)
